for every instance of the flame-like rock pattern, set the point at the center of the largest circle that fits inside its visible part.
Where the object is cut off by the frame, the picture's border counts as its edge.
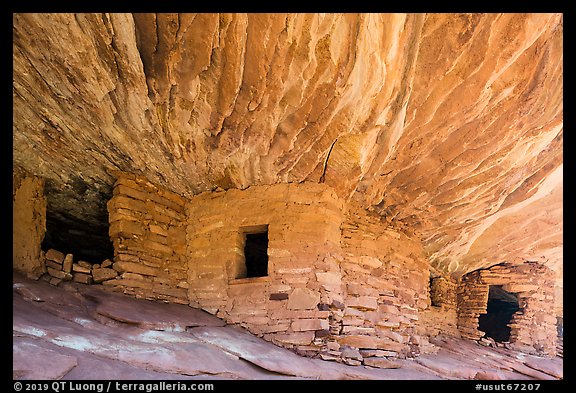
(448, 126)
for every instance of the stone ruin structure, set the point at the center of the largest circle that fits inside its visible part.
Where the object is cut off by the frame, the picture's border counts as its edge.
(328, 279)
(528, 287)
(346, 186)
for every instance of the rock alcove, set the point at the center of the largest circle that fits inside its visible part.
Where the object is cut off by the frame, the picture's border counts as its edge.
(363, 189)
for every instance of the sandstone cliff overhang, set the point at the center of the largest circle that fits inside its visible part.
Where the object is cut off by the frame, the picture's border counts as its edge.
(447, 126)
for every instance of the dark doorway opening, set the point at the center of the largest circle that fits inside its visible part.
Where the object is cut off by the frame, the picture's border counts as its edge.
(77, 220)
(256, 253)
(501, 307)
(435, 295)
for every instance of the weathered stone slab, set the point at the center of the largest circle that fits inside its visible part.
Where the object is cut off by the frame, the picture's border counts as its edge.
(124, 228)
(362, 302)
(358, 289)
(351, 362)
(303, 299)
(330, 281)
(67, 263)
(388, 308)
(53, 265)
(249, 290)
(159, 247)
(367, 353)
(80, 269)
(264, 320)
(134, 276)
(359, 341)
(106, 263)
(301, 325)
(298, 338)
(82, 278)
(31, 360)
(157, 229)
(59, 274)
(85, 264)
(129, 283)
(352, 353)
(391, 335)
(370, 261)
(357, 330)
(133, 267)
(103, 274)
(369, 342)
(55, 256)
(151, 315)
(351, 320)
(381, 363)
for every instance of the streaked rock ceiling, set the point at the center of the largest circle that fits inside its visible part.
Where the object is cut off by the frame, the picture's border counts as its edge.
(448, 126)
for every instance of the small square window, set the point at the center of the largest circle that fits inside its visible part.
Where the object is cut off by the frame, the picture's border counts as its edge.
(256, 251)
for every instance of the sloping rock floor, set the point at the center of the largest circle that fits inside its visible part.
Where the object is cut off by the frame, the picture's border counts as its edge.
(84, 332)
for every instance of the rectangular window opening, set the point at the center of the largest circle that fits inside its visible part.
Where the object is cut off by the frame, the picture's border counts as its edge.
(256, 251)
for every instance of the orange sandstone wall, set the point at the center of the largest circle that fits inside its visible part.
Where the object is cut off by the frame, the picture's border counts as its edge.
(440, 317)
(341, 284)
(147, 227)
(292, 305)
(28, 223)
(385, 277)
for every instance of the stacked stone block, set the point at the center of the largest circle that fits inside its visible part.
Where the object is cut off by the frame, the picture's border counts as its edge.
(533, 328)
(341, 285)
(440, 317)
(61, 267)
(385, 275)
(147, 228)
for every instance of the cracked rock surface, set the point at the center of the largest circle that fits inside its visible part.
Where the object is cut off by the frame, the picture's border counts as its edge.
(84, 332)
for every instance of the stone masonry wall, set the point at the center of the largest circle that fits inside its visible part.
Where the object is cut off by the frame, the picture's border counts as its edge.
(62, 267)
(28, 223)
(341, 285)
(440, 317)
(292, 305)
(533, 328)
(147, 228)
(385, 279)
